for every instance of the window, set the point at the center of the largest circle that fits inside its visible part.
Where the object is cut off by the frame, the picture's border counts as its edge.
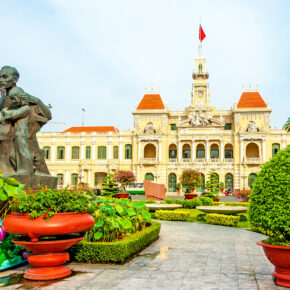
(186, 152)
(102, 152)
(149, 176)
(74, 179)
(200, 153)
(173, 127)
(60, 152)
(115, 152)
(228, 126)
(275, 148)
(251, 179)
(60, 179)
(172, 151)
(200, 68)
(46, 152)
(88, 152)
(228, 153)
(172, 182)
(75, 152)
(214, 151)
(128, 151)
(229, 181)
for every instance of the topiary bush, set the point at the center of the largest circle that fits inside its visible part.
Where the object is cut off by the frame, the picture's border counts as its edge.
(270, 199)
(170, 215)
(221, 219)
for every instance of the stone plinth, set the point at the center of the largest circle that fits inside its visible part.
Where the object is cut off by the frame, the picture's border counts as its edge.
(154, 191)
(33, 181)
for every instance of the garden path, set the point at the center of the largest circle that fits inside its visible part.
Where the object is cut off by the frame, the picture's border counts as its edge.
(186, 256)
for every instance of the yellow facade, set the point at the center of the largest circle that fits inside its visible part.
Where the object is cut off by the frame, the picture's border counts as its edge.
(234, 142)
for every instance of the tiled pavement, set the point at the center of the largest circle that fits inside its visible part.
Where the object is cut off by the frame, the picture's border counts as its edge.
(187, 256)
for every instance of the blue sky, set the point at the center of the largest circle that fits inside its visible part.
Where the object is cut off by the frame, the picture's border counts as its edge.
(100, 55)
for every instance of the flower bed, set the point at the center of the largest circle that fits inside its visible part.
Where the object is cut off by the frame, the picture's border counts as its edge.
(220, 219)
(115, 252)
(169, 215)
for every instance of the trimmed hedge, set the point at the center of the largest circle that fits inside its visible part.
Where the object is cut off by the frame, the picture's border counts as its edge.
(170, 215)
(247, 204)
(115, 252)
(222, 219)
(190, 203)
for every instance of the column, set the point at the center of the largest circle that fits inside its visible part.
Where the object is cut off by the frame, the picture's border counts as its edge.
(89, 177)
(242, 150)
(264, 150)
(94, 150)
(284, 141)
(82, 150)
(66, 178)
(67, 150)
(121, 150)
(207, 150)
(179, 151)
(53, 150)
(193, 150)
(109, 150)
(222, 151)
(139, 150)
(159, 149)
(82, 175)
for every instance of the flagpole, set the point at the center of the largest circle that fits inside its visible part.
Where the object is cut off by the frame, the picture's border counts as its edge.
(83, 117)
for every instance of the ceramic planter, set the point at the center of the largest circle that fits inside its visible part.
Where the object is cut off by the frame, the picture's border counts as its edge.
(122, 195)
(216, 199)
(48, 255)
(190, 196)
(279, 256)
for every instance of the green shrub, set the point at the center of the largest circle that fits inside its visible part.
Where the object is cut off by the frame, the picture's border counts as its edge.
(207, 201)
(201, 217)
(221, 219)
(246, 204)
(169, 200)
(243, 218)
(115, 252)
(190, 203)
(170, 215)
(149, 201)
(270, 198)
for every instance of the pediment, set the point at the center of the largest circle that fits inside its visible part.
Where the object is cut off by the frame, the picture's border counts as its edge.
(201, 122)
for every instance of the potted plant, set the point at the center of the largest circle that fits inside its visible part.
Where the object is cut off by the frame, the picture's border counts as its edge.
(243, 194)
(178, 187)
(221, 186)
(269, 213)
(190, 179)
(125, 178)
(51, 219)
(212, 186)
(110, 186)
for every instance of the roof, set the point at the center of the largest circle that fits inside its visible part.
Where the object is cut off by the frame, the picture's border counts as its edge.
(92, 129)
(151, 102)
(251, 100)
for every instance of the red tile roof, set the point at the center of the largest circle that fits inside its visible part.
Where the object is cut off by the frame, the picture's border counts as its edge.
(92, 129)
(251, 100)
(151, 102)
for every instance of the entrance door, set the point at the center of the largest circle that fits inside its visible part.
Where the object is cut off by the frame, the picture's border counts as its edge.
(229, 181)
(172, 182)
(149, 176)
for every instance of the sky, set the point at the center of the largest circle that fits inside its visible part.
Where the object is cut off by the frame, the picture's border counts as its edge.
(101, 55)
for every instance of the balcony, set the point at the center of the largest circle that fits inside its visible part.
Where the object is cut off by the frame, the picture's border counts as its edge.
(214, 160)
(186, 160)
(149, 160)
(200, 159)
(228, 159)
(172, 160)
(253, 160)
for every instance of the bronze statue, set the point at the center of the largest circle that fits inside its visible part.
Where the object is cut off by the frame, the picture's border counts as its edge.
(21, 116)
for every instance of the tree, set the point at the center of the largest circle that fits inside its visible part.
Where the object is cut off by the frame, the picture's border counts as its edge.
(190, 178)
(212, 185)
(110, 186)
(125, 178)
(286, 126)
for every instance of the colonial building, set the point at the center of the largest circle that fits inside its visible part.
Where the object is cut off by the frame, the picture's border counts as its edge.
(163, 142)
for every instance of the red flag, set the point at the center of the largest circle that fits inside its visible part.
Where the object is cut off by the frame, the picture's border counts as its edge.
(201, 34)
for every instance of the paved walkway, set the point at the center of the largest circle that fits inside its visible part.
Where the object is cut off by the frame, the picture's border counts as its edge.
(187, 256)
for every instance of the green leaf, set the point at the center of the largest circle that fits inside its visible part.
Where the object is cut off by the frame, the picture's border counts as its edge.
(131, 212)
(12, 181)
(97, 235)
(119, 209)
(3, 195)
(99, 224)
(126, 224)
(146, 215)
(1, 182)
(10, 189)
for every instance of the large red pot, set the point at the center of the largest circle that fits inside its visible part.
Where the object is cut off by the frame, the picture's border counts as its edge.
(122, 195)
(190, 196)
(279, 256)
(58, 224)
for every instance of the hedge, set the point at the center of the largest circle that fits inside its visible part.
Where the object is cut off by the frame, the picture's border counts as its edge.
(221, 219)
(247, 204)
(170, 215)
(115, 252)
(190, 203)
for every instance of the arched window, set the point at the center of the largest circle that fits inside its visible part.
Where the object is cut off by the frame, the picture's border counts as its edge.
(128, 151)
(251, 179)
(229, 181)
(74, 179)
(172, 182)
(275, 148)
(186, 151)
(60, 152)
(214, 151)
(46, 152)
(229, 151)
(88, 152)
(172, 151)
(75, 152)
(102, 152)
(200, 68)
(200, 151)
(149, 151)
(149, 176)
(60, 179)
(115, 152)
(252, 151)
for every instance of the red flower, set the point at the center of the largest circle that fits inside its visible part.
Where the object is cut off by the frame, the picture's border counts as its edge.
(45, 215)
(49, 208)
(98, 204)
(15, 202)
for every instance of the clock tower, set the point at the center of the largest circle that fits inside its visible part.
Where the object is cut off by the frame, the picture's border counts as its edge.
(200, 92)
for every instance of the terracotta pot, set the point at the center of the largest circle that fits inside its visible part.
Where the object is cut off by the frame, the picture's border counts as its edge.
(216, 199)
(59, 224)
(122, 195)
(190, 196)
(279, 256)
(178, 189)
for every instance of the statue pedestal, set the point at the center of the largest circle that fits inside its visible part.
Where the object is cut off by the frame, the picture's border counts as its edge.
(33, 181)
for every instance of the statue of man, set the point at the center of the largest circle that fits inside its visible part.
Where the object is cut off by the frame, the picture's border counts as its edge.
(26, 115)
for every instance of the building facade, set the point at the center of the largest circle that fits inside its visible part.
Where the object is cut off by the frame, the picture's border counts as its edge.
(163, 142)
